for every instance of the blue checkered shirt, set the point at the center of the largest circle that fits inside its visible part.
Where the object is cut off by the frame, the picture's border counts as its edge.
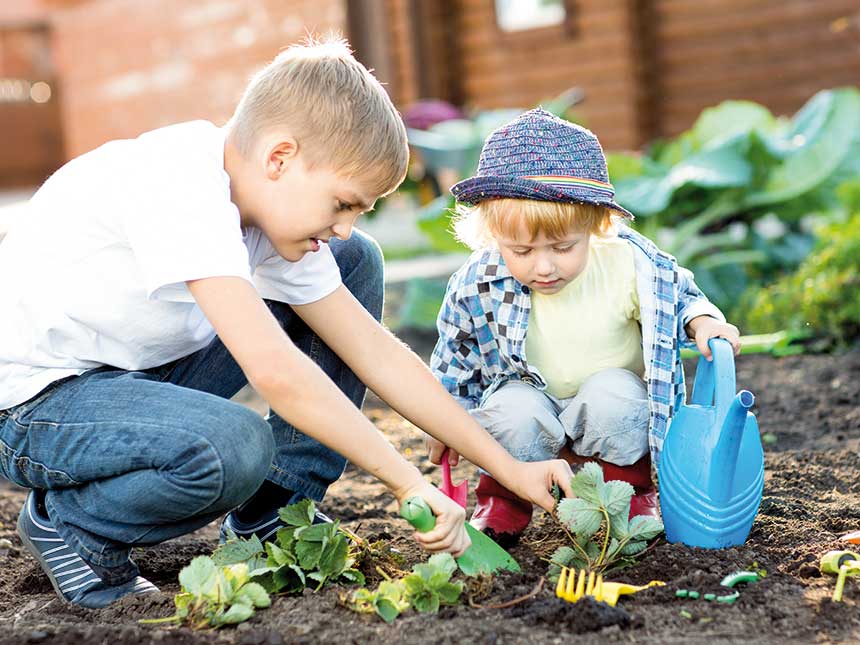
(485, 315)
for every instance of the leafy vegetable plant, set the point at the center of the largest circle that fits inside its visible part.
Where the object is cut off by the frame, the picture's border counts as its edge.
(303, 553)
(214, 596)
(596, 520)
(427, 588)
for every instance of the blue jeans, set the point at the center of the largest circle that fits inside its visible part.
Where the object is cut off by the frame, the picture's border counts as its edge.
(136, 458)
(608, 418)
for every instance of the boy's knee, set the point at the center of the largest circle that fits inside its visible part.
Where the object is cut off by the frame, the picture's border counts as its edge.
(361, 268)
(246, 448)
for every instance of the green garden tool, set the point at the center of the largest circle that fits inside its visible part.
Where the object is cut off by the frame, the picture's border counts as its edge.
(843, 564)
(484, 556)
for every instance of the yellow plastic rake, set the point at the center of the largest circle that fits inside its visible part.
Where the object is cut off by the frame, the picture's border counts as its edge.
(573, 588)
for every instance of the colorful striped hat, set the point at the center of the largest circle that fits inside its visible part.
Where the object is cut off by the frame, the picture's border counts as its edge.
(540, 156)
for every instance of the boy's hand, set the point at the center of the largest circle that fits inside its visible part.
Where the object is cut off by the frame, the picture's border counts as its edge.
(449, 534)
(704, 328)
(435, 448)
(533, 481)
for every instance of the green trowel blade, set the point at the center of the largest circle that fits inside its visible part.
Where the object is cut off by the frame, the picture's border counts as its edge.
(484, 556)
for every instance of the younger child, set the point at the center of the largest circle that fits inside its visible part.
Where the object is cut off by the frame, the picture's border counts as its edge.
(153, 278)
(561, 333)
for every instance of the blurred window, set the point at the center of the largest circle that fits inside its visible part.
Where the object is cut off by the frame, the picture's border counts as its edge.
(521, 15)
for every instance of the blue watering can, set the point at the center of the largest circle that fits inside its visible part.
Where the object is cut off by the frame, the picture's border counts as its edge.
(711, 470)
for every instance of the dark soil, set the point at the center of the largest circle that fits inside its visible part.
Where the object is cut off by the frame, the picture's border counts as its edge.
(808, 406)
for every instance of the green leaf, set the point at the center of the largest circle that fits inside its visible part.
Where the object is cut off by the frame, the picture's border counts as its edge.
(387, 609)
(298, 514)
(824, 131)
(198, 576)
(449, 593)
(238, 550)
(236, 574)
(563, 556)
(427, 602)
(618, 523)
(643, 527)
(308, 554)
(254, 594)
(238, 613)
(587, 482)
(279, 556)
(289, 579)
(353, 575)
(286, 537)
(414, 584)
(632, 548)
(182, 601)
(729, 119)
(317, 533)
(612, 550)
(333, 560)
(615, 496)
(592, 549)
(580, 516)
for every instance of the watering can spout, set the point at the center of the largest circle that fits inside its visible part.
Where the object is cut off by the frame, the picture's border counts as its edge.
(724, 458)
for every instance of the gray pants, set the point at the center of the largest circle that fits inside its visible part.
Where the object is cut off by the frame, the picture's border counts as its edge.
(608, 418)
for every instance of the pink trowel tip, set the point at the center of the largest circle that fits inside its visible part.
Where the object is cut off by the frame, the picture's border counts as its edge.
(460, 492)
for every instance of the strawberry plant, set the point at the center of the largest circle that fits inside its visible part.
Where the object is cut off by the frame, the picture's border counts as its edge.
(596, 521)
(302, 554)
(214, 596)
(427, 588)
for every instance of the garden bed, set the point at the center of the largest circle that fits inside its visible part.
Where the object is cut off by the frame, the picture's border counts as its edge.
(808, 405)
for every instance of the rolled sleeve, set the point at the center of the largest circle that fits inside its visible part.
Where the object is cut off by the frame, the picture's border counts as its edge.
(692, 303)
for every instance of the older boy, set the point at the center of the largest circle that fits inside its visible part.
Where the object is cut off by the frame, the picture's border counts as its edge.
(156, 276)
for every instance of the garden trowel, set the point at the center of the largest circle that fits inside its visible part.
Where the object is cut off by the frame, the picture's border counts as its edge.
(484, 556)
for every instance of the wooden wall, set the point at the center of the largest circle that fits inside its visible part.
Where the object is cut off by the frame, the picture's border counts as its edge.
(31, 144)
(648, 67)
(775, 52)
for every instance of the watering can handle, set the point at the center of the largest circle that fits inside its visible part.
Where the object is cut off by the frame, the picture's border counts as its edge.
(715, 379)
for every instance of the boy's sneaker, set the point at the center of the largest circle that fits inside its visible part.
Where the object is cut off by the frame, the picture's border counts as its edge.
(72, 578)
(264, 528)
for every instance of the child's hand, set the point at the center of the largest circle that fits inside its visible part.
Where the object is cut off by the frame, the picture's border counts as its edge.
(534, 481)
(449, 534)
(704, 328)
(435, 448)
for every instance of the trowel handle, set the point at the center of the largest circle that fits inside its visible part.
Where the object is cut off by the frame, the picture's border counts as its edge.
(418, 513)
(715, 379)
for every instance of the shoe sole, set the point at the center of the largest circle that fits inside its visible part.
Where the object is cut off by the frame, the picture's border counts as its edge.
(34, 551)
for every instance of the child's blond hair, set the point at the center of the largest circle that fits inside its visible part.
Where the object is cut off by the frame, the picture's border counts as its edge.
(338, 112)
(478, 226)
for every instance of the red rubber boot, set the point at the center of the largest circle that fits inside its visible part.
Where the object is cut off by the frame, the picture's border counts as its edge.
(638, 475)
(499, 513)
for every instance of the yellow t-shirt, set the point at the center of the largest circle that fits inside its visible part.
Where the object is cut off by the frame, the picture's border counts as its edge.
(591, 324)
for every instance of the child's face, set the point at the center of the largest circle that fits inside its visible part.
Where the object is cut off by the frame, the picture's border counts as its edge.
(302, 208)
(545, 264)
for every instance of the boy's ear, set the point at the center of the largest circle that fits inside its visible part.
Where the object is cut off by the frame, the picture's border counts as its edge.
(279, 154)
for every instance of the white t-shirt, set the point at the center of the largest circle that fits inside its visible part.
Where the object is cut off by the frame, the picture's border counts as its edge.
(94, 271)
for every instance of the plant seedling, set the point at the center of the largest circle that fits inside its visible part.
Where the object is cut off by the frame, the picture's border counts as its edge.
(600, 508)
(302, 552)
(427, 588)
(214, 596)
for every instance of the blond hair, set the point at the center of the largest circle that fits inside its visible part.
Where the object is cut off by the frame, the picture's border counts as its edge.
(338, 112)
(478, 226)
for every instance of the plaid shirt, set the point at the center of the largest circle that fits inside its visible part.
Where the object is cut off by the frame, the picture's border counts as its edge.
(485, 315)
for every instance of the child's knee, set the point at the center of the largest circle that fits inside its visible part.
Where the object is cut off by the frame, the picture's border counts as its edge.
(609, 418)
(523, 420)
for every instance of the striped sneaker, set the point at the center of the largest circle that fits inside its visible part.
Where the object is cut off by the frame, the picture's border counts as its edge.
(72, 578)
(264, 528)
